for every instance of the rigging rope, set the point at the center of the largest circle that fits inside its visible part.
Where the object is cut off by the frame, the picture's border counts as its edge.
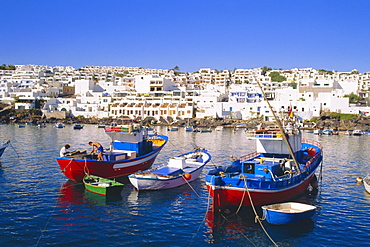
(47, 222)
(255, 212)
(14, 149)
(225, 218)
(182, 175)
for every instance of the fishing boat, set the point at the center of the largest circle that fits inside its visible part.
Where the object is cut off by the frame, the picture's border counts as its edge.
(132, 149)
(172, 128)
(282, 167)
(327, 132)
(206, 130)
(178, 171)
(189, 128)
(58, 125)
(269, 175)
(357, 132)
(100, 126)
(41, 125)
(287, 213)
(78, 126)
(242, 125)
(219, 128)
(21, 126)
(366, 182)
(102, 186)
(317, 132)
(3, 146)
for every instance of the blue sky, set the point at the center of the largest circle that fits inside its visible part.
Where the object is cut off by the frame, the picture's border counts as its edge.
(331, 35)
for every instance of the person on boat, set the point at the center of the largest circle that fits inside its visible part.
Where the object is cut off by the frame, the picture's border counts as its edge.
(64, 151)
(96, 146)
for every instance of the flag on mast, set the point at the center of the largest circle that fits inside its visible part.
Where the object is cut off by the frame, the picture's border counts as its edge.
(291, 115)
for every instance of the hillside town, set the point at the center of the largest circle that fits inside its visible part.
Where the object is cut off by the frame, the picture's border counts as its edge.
(168, 96)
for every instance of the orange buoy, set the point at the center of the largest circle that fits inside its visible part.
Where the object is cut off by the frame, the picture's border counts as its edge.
(187, 176)
(359, 179)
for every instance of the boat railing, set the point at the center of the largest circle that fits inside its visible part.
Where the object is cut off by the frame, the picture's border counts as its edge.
(249, 156)
(156, 140)
(312, 142)
(123, 128)
(268, 135)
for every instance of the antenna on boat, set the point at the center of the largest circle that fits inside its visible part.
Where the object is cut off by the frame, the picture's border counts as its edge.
(284, 133)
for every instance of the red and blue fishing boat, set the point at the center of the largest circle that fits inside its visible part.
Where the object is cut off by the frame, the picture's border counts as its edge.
(282, 167)
(270, 174)
(132, 149)
(3, 146)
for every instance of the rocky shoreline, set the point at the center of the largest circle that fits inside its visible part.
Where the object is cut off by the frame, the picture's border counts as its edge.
(361, 123)
(325, 121)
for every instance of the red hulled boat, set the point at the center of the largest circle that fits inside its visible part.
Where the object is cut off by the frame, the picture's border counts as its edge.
(132, 150)
(269, 175)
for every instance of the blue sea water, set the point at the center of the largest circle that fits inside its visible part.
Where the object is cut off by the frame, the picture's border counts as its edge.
(40, 207)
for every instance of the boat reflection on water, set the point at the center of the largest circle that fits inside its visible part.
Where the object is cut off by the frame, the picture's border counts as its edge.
(89, 196)
(71, 192)
(227, 224)
(70, 201)
(157, 198)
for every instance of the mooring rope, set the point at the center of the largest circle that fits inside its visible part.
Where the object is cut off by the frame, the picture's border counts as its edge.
(67, 165)
(257, 218)
(47, 222)
(182, 175)
(86, 169)
(14, 149)
(226, 219)
(176, 149)
(204, 218)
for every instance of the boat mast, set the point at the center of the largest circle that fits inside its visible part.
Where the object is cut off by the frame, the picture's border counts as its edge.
(284, 134)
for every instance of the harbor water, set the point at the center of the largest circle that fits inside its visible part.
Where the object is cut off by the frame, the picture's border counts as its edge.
(40, 207)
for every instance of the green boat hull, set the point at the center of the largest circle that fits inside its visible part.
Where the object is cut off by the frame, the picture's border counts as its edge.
(102, 186)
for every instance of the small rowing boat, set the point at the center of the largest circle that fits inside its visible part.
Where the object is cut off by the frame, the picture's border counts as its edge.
(178, 171)
(59, 125)
(366, 182)
(102, 186)
(287, 213)
(78, 126)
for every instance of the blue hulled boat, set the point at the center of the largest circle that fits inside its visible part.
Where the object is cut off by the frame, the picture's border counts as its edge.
(287, 213)
(269, 175)
(3, 146)
(78, 126)
(282, 167)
